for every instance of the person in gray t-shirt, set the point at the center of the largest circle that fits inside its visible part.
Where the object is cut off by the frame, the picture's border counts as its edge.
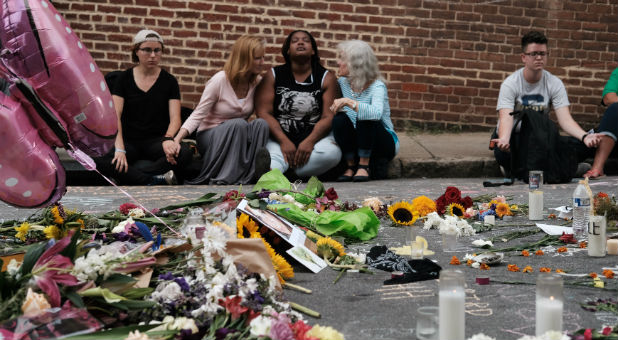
(532, 87)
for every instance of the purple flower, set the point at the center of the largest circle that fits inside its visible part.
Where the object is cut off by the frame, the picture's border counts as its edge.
(184, 286)
(168, 276)
(221, 333)
(263, 194)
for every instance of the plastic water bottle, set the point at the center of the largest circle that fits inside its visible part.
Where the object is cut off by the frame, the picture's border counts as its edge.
(581, 210)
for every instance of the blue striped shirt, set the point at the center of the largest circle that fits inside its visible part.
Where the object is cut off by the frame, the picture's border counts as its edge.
(372, 105)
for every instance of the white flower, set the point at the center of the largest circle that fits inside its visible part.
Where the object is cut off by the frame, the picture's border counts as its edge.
(359, 257)
(137, 336)
(179, 323)
(214, 241)
(482, 243)
(468, 257)
(121, 226)
(481, 336)
(550, 335)
(248, 287)
(167, 291)
(372, 202)
(260, 326)
(476, 265)
(13, 267)
(433, 220)
(136, 212)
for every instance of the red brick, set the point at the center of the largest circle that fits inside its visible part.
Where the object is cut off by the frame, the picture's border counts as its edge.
(411, 87)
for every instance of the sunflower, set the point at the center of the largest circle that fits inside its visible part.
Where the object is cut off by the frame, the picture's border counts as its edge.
(503, 209)
(424, 205)
(245, 226)
(283, 268)
(455, 209)
(52, 231)
(403, 213)
(22, 231)
(56, 214)
(329, 248)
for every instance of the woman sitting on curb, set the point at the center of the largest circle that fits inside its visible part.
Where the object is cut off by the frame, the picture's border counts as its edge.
(362, 126)
(233, 149)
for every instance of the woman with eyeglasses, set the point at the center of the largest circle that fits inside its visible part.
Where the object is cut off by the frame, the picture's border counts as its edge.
(147, 101)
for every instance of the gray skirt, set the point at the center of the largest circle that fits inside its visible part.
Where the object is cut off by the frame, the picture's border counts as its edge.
(228, 151)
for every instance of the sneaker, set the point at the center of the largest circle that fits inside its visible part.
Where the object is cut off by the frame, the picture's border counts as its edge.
(261, 164)
(582, 168)
(503, 171)
(168, 178)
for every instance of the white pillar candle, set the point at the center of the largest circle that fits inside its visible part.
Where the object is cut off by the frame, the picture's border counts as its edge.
(597, 241)
(535, 205)
(548, 315)
(452, 315)
(490, 219)
(612, 247)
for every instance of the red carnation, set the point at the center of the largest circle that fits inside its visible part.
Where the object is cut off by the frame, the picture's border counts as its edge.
(466, 202)
(452, 195)
(331, 194)
(124, 208)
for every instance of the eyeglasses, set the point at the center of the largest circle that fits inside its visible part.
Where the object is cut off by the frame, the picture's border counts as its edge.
(149, 50)
(537, 53)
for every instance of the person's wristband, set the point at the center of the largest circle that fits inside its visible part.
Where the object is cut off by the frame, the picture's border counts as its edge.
(121, 150)
(584, 136)
(167, 138)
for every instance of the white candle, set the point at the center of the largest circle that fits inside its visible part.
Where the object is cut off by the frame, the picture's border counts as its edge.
(548, 315)
(612, 247)
(535, 205)
(490, 219)
(597, 241)
(452, 315)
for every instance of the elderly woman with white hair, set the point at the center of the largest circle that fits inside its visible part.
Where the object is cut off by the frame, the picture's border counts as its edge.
(362, 126)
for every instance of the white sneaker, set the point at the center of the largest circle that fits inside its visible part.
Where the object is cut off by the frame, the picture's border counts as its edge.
(170, 178)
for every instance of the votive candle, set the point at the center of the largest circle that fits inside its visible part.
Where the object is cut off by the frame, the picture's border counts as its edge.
(535, 205)
(452, 300)
(597, 240)
(549, 304)
(612, 247)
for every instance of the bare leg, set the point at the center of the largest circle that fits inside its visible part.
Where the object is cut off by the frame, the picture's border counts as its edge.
(351, 165)
(603, 151)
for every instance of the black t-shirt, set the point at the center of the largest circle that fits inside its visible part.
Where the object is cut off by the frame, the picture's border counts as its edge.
(297, 106)
(145, 114)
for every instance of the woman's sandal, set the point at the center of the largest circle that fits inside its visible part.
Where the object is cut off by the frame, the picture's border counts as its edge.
(344, 178)
(362, 178)
(594, 174)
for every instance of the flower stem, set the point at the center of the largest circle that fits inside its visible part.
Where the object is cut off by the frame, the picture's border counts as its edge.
(340, 275)
(297, 287)
(305, 310)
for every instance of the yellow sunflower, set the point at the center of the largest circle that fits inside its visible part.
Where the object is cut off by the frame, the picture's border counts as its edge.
(245, 226)
(424, 205)
(56, 214)
(329, 248)
(455, 209)
(403, 213)
(503, 209)
(52, 231)
(283, 268)
(22, 231)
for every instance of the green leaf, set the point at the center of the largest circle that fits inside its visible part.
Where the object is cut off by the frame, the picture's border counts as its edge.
(75, 299)
(314, 187)
(137, 293)
(133, 304)
(206, 199)
(103, 292)
(255, 203)
(114, 333)
(70, 250)
(31, 257)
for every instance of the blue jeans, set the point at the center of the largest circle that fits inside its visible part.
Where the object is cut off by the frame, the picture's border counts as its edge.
(325, 155)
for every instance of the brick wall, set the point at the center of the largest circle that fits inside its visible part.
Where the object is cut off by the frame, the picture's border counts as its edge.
(443, 60)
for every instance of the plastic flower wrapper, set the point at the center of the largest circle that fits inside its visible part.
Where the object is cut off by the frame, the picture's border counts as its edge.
(274, 180)
(359, 224)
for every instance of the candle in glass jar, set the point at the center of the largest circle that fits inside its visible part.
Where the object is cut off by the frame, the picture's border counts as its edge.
(597, 240)
(535, 205)
(548, 315)
(452, 315)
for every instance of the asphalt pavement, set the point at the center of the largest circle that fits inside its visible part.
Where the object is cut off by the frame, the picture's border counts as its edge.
(363, 307)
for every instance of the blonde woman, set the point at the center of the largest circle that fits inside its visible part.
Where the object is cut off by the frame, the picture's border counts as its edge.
(362, 126)
(231, 146)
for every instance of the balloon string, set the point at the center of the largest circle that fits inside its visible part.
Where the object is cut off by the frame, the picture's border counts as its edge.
(138, 203)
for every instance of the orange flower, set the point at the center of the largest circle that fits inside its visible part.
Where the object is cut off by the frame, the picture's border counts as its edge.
(559, 271)
(469, 262)
(593, 275)
(552, 216)
(527, 269)
(545, 270)
(455, 261)
(583, 244)
(539, 252)
(512, 268)
(608, 273)
(562, 250)
(484, 266)
(525, 253)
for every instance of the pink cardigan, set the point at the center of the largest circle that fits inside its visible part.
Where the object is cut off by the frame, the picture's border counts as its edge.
(219, 103)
